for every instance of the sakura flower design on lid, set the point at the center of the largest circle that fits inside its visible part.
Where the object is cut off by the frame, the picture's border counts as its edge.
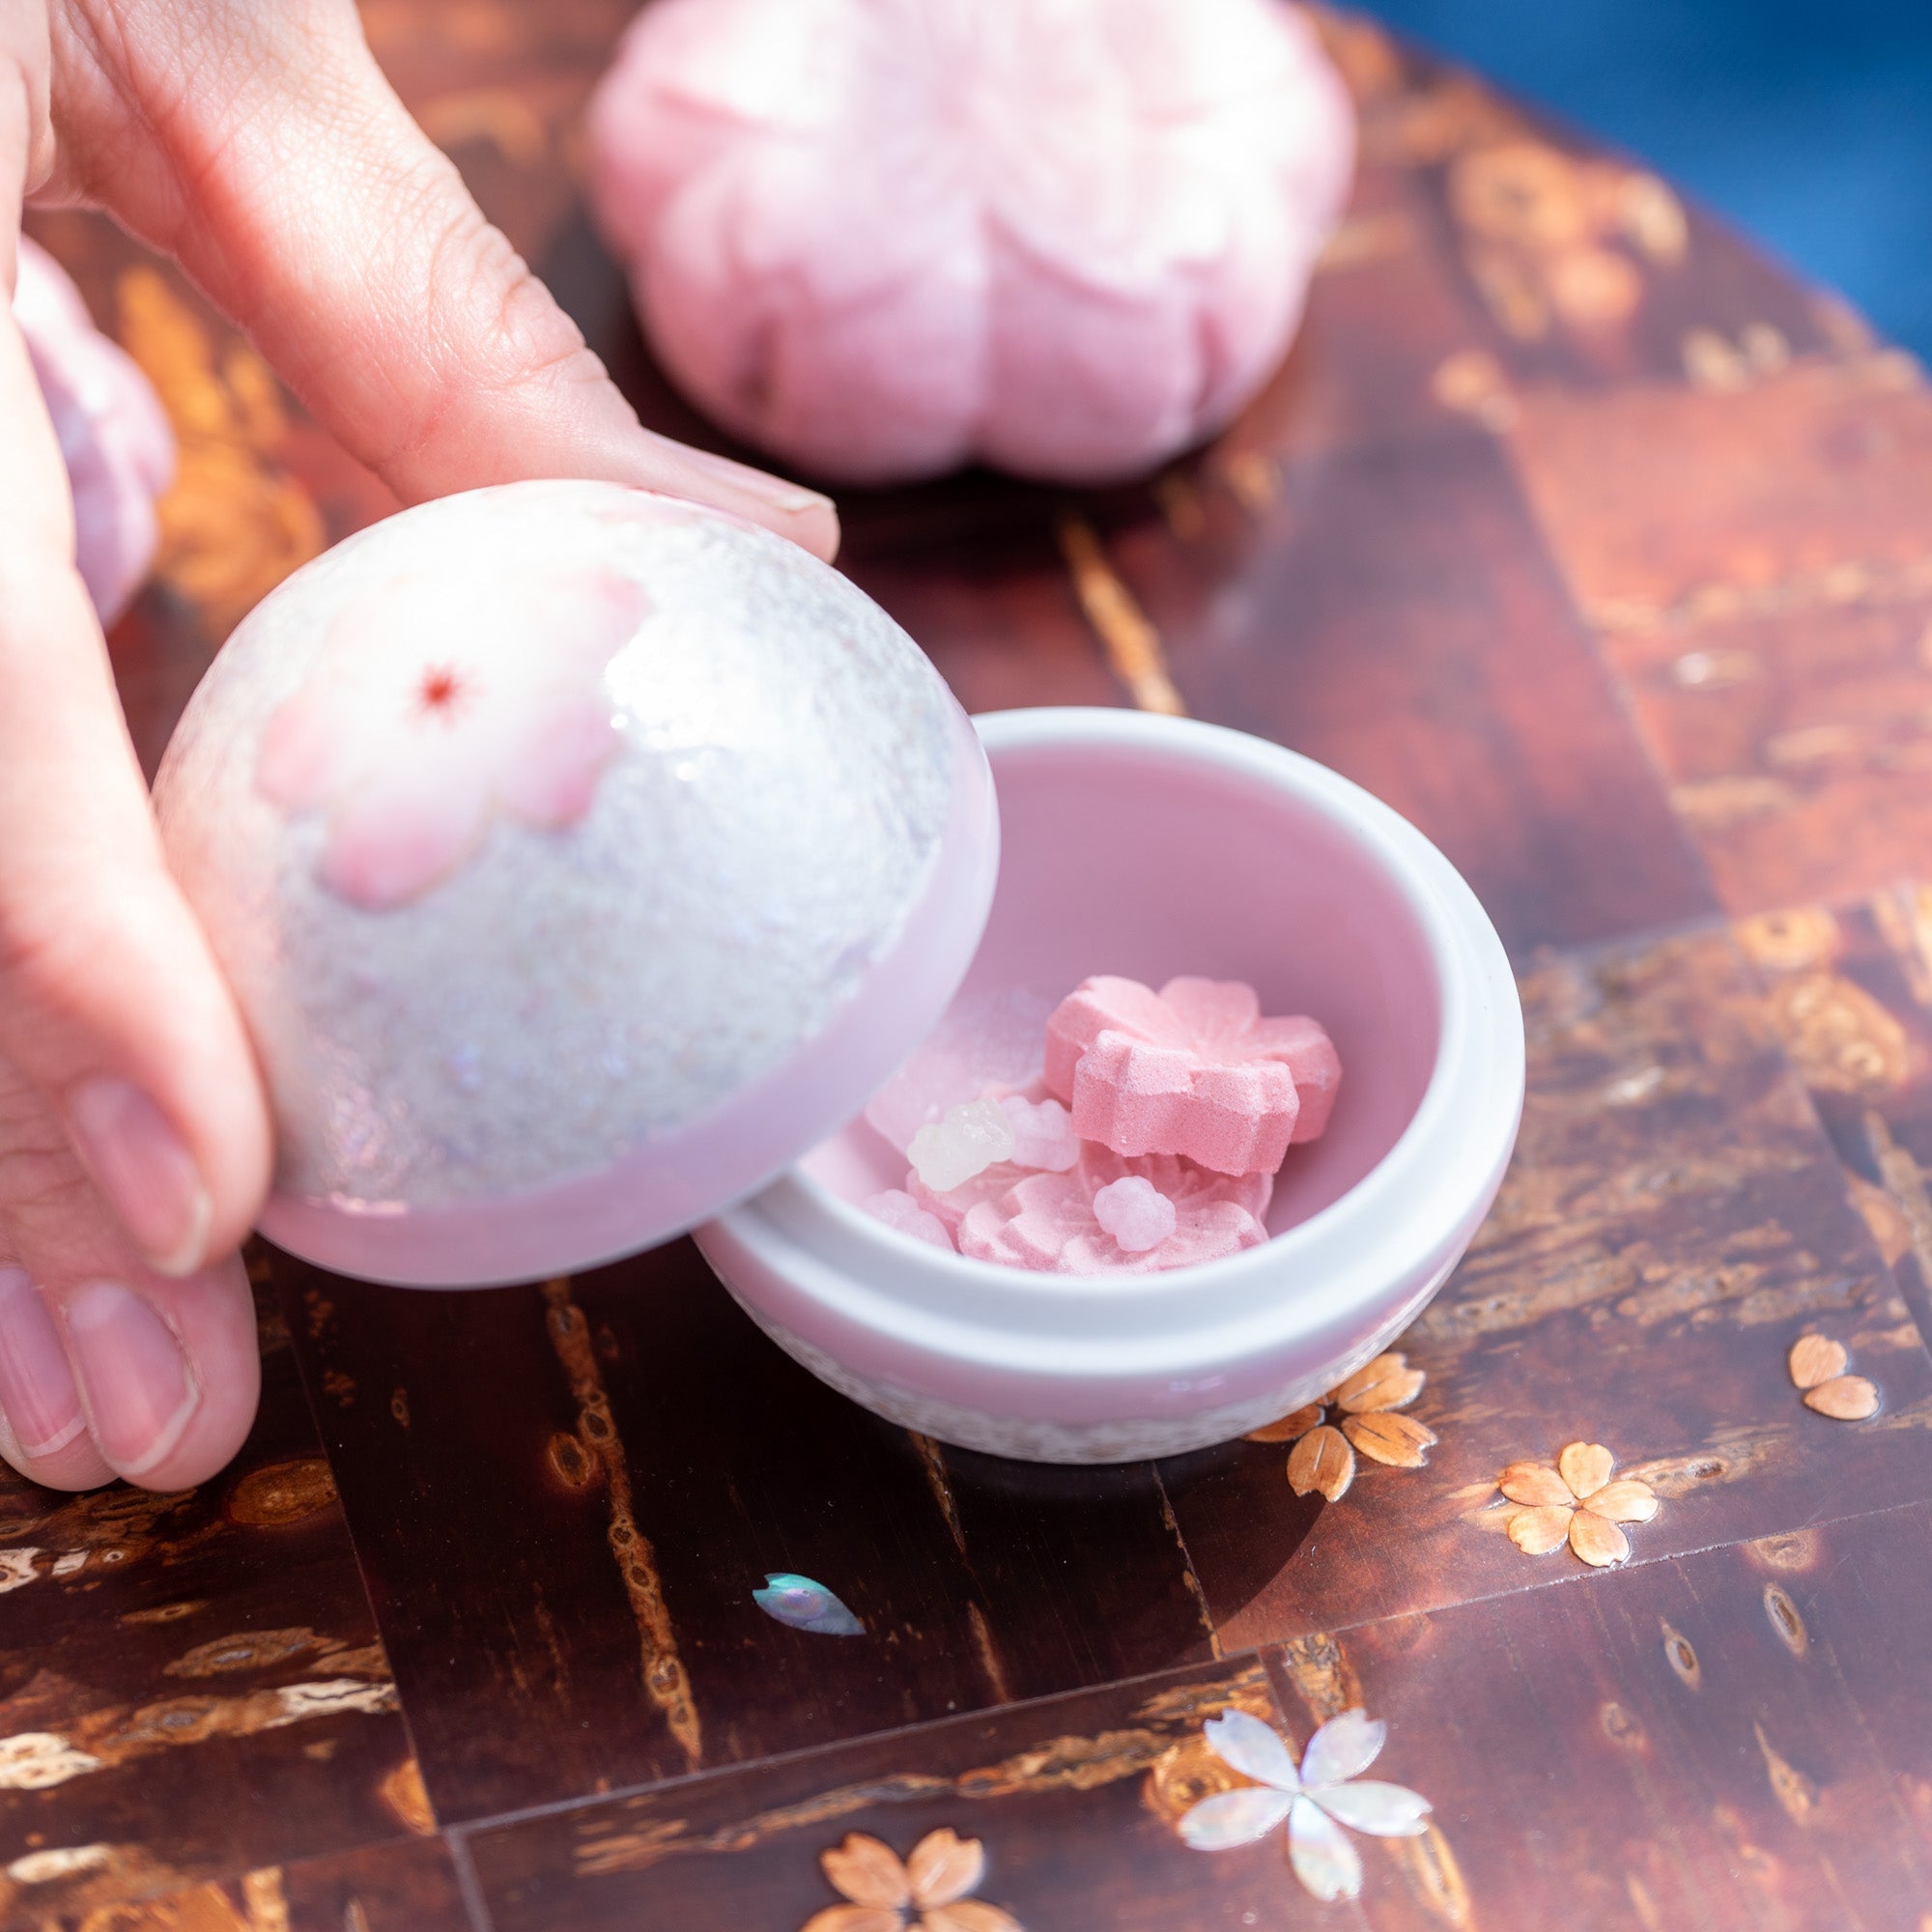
(430, 712)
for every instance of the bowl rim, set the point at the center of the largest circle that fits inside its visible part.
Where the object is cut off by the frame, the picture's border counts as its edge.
(1373, 1243)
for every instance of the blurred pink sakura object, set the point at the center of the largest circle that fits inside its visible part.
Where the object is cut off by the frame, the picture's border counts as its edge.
(1193, 1069)
(884, 238)
(436, 707)
(112, 431)
(1050, 1221)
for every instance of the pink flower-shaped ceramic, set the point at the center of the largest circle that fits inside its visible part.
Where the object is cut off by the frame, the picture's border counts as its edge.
(1046, 1221)
(885, 237)
(113, 433)
(1193, 1069)
(436, 707)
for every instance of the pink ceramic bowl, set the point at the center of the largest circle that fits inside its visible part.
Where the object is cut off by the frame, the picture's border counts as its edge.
(1154, 846)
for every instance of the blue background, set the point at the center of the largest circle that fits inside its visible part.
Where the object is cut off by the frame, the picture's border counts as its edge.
(1809, 127)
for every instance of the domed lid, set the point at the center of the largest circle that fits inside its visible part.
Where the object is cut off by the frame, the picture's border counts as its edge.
(579, 859)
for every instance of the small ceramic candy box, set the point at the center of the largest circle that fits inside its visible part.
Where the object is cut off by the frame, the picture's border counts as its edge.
(1156, 847)
(591, 868)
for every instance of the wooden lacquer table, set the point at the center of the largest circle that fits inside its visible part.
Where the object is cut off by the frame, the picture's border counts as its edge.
(1602, 549)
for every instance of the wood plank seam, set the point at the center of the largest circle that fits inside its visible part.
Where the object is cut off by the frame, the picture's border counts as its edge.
(1188, 1572)
(1070, 1762)
(468, 1885)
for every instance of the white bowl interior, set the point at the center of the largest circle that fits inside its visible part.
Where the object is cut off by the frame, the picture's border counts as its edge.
(1150, 862)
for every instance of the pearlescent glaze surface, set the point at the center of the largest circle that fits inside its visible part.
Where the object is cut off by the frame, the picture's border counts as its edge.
(689, 906)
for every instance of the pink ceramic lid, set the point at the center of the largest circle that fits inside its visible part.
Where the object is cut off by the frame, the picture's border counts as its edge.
(580, 860)
(667, 1185)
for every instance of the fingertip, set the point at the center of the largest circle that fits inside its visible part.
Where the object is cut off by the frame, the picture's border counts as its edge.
(812, 526)
(819, 531)
(42, 1429)
(180, 1193)
(169, 1372)
(75, 1466)
(112, 1003)
(803, 515)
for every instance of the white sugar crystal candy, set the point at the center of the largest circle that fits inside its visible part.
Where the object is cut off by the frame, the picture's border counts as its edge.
(1043, 1135)
(967, 1140)
(896, 1209)
(1135, 1212)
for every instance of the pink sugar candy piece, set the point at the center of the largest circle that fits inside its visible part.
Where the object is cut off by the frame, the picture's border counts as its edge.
(899, 1209)
(113, 432)
(952, 1207)
(884, 238)
(1048, 1222)
(1043, 1135)
(1193, 1069)
(1135, 1212)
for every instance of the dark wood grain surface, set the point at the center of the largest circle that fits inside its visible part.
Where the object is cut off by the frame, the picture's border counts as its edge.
(1599, 546)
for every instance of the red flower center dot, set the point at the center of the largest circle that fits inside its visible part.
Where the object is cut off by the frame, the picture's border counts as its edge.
(441, 693)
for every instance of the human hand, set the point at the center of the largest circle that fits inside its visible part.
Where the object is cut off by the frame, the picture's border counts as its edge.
(257, 142)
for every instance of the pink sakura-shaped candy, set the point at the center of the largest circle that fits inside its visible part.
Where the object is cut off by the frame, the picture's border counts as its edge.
(1048, 1222)
(1193, 1069)
(896, 1209)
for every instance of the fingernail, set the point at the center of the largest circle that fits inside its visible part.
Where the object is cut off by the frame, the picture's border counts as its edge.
(138, 1161)
(775, 491)
(36, 1392)
(137, 1385)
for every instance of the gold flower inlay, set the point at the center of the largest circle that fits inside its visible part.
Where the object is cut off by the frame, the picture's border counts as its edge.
(923, 1892)
(1324, 1456)
(1818, 1367)
(1577, 1502)
(1554, 239)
